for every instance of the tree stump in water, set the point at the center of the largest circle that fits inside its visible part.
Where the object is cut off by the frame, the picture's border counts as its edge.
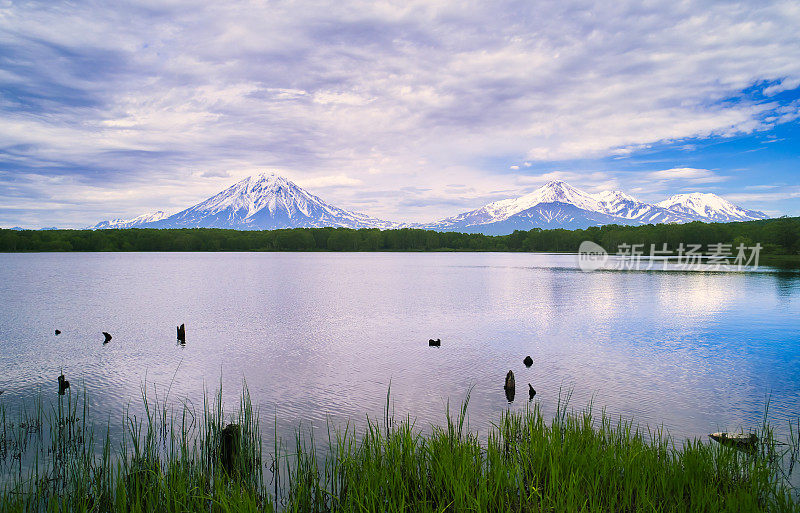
(230, 446)
(510, 387)
(63, 384)
(510, 383)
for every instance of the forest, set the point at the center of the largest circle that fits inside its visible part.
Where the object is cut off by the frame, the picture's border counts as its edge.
(779, 237)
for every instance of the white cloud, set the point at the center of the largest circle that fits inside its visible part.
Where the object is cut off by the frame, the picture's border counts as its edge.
(783, 194)
(329, 181)
(342, 98)
(688, 175)
(781, 86)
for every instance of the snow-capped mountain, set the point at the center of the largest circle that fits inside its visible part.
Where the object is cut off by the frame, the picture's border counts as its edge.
(269, 201)
(710, 207)
(559, 205)
(619, 204)
(130, 223)
(264, 202)
(556, 204)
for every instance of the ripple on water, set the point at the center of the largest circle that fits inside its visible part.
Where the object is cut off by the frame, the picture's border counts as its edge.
(321, 336)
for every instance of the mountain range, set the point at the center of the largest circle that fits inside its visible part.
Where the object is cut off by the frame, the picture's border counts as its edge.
(269, 201)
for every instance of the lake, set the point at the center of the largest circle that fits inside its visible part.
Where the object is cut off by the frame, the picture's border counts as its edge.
(320, 336)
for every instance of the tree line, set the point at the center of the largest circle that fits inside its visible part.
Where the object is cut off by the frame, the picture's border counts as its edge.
(777, 237)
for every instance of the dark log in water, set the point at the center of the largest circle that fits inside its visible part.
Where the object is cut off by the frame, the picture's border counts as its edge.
(63, 384)
(510, 383)
(230, 443)
(510, 386)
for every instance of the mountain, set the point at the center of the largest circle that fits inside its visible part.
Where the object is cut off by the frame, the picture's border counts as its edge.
(269, 201)
(130, 223)
(559, 205)
(709, 207)
(619, 204)
(261, 202)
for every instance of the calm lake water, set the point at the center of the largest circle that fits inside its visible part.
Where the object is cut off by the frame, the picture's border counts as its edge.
(321, 335)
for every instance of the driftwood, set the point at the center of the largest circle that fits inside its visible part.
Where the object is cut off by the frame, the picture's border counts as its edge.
(741, 441)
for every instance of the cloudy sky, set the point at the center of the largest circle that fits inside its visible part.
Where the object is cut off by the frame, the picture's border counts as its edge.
(409, 111)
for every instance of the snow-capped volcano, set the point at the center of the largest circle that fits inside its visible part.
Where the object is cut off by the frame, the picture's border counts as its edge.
(551, 192)
(619, 204)
(264, 202)
(559, 205)
(260, 202)
(556, 204)
(268, 201)
(130, 223)
(710, 207)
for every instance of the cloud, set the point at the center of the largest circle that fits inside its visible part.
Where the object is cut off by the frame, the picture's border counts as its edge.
(688, 175)
(329, 181)
(141, 95)
(785, 193)
(217, 173)
(783, 85)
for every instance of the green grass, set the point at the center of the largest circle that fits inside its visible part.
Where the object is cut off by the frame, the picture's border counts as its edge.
(53, 460)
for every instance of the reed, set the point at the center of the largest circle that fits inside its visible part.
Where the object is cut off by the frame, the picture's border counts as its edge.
(56, 459)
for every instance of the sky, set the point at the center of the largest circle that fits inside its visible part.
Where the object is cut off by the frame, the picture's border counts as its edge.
(407, 111)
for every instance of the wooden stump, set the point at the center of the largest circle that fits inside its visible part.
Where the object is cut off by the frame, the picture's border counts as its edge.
(230, 447)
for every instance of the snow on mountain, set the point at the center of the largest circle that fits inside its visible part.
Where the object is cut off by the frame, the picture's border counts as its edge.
(553, 193)
(554, 214)
(269, 201)
(266, 202)
(131, 223)
(559, 205)
(709, 207)
(619, 204)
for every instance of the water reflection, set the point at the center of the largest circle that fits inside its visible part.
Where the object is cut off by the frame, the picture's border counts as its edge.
(321, 336)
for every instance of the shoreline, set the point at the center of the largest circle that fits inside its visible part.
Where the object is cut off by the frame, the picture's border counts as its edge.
(187, 458)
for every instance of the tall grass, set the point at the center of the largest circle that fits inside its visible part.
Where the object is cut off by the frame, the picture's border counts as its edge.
(163, 461)
(52, 460)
